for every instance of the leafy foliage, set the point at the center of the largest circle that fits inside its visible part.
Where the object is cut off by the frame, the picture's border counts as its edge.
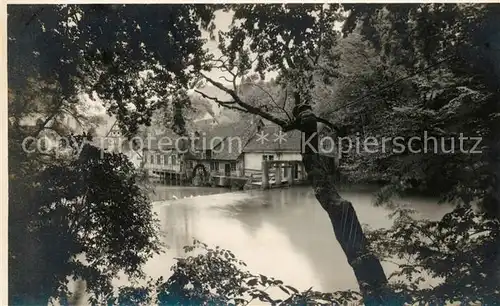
(459, 250)
(456, 95)
(78, 210)
(217, 277)
(89, 206)
(87, 203)
(452, 92)
(180, 116)
(124, 54)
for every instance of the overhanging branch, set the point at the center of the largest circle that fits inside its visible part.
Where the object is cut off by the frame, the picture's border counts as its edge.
(282, 108)
(215, 99)
(245, 106)
(240, 105)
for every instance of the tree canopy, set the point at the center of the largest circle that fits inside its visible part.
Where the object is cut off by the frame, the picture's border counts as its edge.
(124, 54)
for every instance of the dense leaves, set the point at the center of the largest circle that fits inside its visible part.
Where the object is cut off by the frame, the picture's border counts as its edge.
(122, 54)
(217, 277)
(458, 250)
(86, 218)
(450, 71)
(456, 95)
(74, 210)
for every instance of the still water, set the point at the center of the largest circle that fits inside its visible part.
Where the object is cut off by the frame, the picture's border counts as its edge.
(283, 233)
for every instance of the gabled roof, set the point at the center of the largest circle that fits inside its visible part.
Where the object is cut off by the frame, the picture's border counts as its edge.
(226, 141)
(290, 141)
(235, 137)
(114, 127)
(168, 140)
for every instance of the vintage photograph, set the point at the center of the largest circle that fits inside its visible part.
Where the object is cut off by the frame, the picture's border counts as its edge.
(253, 154)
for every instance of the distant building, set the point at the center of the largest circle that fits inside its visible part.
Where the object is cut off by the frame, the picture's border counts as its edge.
(164, 153)
(213, 152)
(286, 149)
(237, 150)
(218, 150)
(114, 141)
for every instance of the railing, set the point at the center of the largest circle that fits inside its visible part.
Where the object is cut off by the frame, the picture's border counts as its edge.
(232, 173)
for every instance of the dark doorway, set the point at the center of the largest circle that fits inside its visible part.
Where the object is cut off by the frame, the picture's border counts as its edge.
(227, 169)
(296, 171)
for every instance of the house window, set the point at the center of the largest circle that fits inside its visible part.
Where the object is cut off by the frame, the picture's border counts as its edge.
(151, 159)
(174, 160)
(233, 166)
(268, 157)
(214, 166)
(208, 154)
(158, 159)
(165, 159)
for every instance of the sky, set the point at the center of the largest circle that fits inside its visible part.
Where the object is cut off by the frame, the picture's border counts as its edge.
(222, 22)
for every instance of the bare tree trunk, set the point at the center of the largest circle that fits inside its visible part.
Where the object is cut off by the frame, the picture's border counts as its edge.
(321, 171)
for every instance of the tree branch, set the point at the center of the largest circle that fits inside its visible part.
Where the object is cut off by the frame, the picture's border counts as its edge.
(215, 99)
(272, 99)
(225, 68)
(50, 117)
(226, 104)
(238, 104)
(245, 106)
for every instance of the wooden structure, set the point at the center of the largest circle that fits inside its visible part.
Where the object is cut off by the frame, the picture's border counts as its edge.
(171, 178)
(291, 166)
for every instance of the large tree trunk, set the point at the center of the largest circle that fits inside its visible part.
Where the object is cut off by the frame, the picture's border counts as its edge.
(491, 203)
(321, 171)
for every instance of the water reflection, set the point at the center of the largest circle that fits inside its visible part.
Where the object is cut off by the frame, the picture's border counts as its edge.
(282, 233)
(296, 216)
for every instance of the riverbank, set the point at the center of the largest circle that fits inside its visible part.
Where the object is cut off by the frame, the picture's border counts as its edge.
(164, 193)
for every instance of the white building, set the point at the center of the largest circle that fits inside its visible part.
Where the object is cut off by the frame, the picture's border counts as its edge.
(114, 141)
(286, 148)
(241, 150)
(164, 153)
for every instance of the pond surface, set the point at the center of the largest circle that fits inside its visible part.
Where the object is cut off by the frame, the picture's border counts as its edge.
(283, 233)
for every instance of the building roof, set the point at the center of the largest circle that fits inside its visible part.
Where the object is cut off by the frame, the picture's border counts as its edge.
(166, 141)
(114, 127)
(290, 141)
(229, 140)
(226, 141)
